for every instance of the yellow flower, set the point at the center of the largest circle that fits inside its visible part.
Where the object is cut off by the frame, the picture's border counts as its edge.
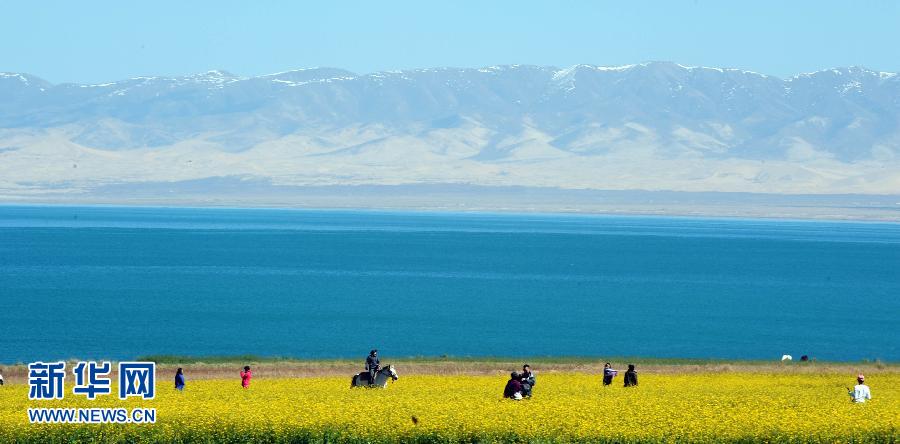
(565, 407)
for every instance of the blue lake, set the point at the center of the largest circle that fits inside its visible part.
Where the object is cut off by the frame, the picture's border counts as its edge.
(120, 282)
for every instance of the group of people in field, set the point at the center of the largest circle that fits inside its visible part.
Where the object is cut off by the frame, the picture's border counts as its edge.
(180, 380)
(521, 384)
(609, 373)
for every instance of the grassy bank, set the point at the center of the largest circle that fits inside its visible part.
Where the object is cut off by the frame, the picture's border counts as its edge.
(224, 367)
(227, 359)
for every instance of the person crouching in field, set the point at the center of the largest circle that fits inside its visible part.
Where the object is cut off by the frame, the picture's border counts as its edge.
(513, 389)
(608, 374)
(861, 392)
(245, 377)
(179, 379)
(631, 377)
(527, 379)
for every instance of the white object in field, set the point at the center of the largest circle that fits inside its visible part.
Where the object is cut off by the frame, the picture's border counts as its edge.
(786, 357)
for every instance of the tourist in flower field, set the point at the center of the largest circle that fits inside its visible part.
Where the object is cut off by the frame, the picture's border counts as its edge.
(179, 379)
(608, 374)
(372, 365)
(513, 389)
(1, 377)
(861, 392)
(245, 376)
(631, 376)
(527, 379)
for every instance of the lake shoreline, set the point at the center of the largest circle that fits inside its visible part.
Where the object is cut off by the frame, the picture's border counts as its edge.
(736, 213)
(462, 198)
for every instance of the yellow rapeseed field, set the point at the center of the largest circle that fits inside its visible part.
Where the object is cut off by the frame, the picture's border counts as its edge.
(567, 407)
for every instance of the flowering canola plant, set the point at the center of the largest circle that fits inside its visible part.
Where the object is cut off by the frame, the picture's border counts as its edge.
(566, 407)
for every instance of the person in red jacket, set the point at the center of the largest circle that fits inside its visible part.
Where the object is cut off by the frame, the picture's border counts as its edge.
(513, 389)
(245, 376)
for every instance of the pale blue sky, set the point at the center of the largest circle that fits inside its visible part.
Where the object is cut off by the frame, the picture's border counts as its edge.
(96, 41)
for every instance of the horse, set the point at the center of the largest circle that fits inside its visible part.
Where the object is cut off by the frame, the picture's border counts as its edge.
(381, 377)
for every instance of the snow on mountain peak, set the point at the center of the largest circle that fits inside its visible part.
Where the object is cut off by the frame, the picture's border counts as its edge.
(492, 69)
(14, 75)
(850, 71)
(291, 71)
(26, 81)
(214, 76)
(614, 68)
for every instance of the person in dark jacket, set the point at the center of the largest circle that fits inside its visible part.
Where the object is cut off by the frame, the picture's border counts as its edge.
(179, 379)
(372, 365)
(630, 376)
(608, 374)
(513, 387)
(527, 379)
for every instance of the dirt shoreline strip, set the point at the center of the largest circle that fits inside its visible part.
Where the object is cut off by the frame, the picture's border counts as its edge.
(308, 369)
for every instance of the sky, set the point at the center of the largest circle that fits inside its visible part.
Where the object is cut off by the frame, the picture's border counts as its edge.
(98, 41)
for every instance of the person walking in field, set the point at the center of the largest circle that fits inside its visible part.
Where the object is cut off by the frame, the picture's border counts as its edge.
(245, 377)
(608, 374)
(860, 392)
(1, 377)
(179, 379)
(372, 365)
(631, 377)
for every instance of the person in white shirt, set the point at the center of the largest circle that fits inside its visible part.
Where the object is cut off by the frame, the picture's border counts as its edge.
(861, 392)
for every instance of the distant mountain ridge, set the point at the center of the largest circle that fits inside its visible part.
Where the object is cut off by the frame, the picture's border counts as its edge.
(654, 125)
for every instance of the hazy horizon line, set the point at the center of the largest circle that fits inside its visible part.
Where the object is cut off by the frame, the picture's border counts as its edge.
(625, 67)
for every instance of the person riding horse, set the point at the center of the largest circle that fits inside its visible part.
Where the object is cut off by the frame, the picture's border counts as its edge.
(372, 365)
(382, 377)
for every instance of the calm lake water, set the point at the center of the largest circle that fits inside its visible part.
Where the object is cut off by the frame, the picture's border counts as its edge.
(120, 282)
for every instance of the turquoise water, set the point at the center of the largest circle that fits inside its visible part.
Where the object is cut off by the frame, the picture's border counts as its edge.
(119, 282)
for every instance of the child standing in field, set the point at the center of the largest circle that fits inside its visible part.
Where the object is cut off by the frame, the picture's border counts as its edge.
(245, 377)
(179, 379)
(608, 374)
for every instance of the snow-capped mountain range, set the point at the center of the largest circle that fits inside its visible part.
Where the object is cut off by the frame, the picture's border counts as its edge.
(656, 125)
